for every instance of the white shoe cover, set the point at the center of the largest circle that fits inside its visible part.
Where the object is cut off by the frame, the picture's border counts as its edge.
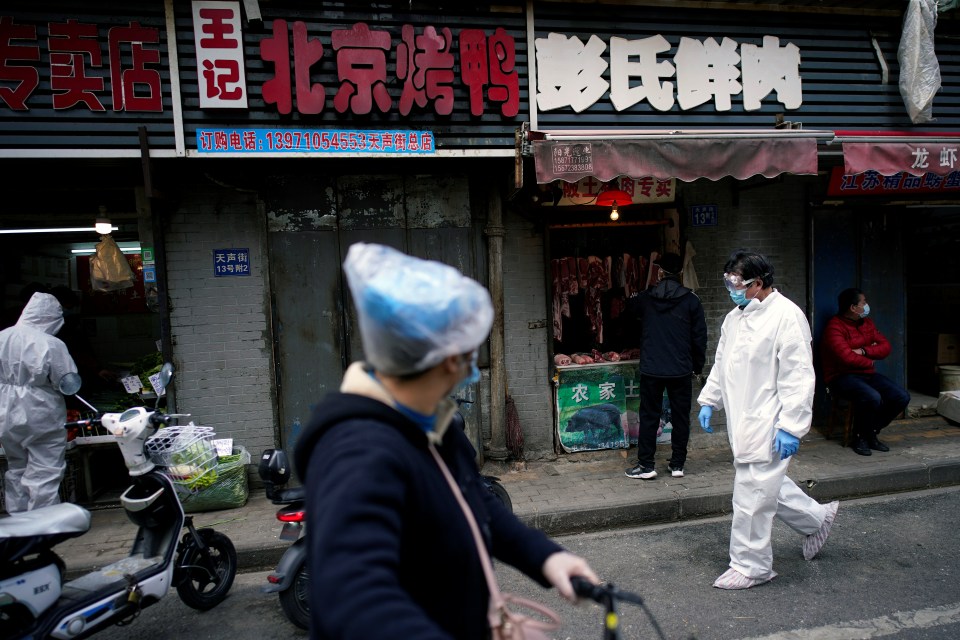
(815, 541)
(733, 579)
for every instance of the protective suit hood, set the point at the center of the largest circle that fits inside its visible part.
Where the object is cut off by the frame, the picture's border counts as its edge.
(43, 313)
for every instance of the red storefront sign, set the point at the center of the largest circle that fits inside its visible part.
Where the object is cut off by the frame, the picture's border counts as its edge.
(872, 183)
(74, 54)
(426, 63)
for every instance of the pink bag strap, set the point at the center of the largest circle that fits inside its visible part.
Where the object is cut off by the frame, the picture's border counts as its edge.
(497, 599)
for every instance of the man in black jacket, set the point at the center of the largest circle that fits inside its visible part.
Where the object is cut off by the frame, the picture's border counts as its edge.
(391, 553)
(673, 347)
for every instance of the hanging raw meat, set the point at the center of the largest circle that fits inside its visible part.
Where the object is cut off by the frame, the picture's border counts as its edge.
(652, 271)
(556, 307)
(597, 281)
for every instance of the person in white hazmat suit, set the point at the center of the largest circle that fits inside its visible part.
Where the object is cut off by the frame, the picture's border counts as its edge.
(32, 409)
(763, 378)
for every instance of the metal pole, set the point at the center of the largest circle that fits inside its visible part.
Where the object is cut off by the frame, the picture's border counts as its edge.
(496, 449)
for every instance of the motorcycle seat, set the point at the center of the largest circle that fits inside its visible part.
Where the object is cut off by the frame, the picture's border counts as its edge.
(28, 532)
(291, 494)
(55, 520)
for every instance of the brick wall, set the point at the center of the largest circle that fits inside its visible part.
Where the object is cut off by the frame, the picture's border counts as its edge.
(770, 219)
(219, 325)
(525, 334)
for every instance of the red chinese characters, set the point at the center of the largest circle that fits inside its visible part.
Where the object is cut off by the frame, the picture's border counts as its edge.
(124, 82)
(493, 63)
(425, 64)
(306, 52)
(77, 74)
(362, 69)
(23, 78)
(219, 43)
(73, 46)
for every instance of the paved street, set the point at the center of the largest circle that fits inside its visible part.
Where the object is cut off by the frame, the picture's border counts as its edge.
(890, 569)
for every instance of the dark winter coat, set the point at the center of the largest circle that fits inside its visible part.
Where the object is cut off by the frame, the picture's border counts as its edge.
(390, 552)
(840, 337)
(673, 331)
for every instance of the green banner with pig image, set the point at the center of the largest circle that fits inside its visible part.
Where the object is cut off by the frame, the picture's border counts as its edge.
(597, 406)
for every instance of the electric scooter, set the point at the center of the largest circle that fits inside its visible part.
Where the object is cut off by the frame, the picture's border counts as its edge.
(34, 601)
(291, 579)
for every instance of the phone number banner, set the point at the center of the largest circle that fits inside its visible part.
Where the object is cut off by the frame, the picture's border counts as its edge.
(262, 140)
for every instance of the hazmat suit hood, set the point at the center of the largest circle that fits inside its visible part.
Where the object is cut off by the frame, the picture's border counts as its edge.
(43, 313)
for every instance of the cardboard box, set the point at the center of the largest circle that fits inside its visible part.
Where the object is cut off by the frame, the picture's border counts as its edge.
(948, 348)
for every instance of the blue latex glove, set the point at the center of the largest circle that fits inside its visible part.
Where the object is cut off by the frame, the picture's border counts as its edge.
(785, 444)
(706, 412)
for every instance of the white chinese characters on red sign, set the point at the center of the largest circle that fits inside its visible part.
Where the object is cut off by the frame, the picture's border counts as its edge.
(219, 41)
(936, 155)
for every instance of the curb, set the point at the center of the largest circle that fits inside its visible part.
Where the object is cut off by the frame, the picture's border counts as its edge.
(709, 503)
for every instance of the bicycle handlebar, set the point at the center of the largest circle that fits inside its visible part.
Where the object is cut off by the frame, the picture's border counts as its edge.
(606, 596)
(600, 593)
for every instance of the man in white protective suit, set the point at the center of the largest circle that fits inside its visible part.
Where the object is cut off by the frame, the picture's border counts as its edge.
(32, 409)
(762, 376)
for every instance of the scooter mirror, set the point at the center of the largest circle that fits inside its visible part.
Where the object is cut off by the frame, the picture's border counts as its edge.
(166, 373)
(70, 383)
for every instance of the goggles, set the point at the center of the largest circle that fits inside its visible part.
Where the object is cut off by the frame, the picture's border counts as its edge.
(735, 282)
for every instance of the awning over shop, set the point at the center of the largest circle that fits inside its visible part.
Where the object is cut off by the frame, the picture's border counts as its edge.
(889, 153)
(687, 155)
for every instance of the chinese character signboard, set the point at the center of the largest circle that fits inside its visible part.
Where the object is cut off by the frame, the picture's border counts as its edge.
(231, 262)
(256, 140)
(570, 73)
(915, 158)
(597, 406)
(79, 70)
(426, 63)
(586, 190)
(219, 42)
(871, 183)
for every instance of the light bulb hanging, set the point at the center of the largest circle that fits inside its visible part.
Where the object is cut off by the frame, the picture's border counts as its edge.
(613, 198)
(102, 225)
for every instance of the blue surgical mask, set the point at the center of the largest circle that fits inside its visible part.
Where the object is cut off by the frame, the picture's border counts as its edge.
(866, 311)
(739, 297)
(473, 376)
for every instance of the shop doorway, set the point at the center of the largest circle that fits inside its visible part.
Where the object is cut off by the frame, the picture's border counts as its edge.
(860, 247)
(110, 331)
(932, 257)
(315, 324)
(595, 270)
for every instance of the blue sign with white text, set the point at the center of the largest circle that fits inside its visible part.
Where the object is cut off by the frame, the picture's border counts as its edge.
(362, 142)
(703, 215)
(231, 262)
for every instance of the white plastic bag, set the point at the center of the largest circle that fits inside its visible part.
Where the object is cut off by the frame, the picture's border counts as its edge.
(919, 68)
(109, 269)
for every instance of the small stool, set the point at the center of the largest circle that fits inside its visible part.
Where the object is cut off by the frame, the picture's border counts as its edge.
(841, 414)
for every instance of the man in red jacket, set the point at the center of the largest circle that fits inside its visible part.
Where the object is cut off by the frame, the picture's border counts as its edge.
(850, 344)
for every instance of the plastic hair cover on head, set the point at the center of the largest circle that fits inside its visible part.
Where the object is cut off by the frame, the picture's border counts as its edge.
(413, 313)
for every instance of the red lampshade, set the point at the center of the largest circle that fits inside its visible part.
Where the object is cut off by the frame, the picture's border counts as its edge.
(614, 197)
